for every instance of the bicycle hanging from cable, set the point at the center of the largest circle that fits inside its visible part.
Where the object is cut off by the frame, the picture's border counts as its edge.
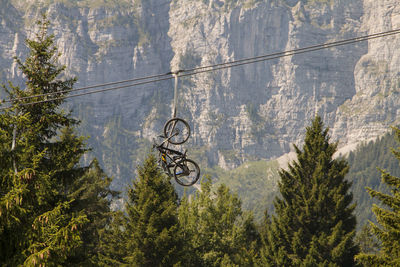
(177, 131)
(175, 164)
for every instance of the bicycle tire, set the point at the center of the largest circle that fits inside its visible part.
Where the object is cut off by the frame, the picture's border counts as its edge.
(183, 131)
(183, 179)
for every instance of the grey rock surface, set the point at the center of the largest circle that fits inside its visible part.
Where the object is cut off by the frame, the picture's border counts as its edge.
(250, 112)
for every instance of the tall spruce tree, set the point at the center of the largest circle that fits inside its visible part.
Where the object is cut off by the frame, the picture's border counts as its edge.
(113, 242)
(52, 208)
(152, 234)
(387, 230)
(314, 224)
(216, 231)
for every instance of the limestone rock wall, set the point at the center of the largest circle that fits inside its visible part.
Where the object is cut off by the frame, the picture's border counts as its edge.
(254, 111)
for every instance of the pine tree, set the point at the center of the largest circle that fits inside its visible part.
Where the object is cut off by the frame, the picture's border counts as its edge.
(92, 196)
(52, 208)
(387, 230)
(113, 242)
(364, 172)
(367, 241)
(152, 232)
(216, 231)
(314, 224)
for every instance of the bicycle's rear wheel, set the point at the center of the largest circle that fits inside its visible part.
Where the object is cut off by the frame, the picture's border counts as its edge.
(177, 131)
(186, 172)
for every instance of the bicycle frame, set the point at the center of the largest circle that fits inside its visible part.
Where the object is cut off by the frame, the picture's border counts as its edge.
(185, 171)
(166, 152)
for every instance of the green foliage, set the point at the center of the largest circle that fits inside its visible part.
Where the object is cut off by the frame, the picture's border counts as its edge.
(258, 127)
(216, 231)
(152, 229)
(367, 241)
(253, 112)
(113, 242)
(254, 182)
(388, 217)
(52, 209)
(314, 224)
(363, 172)
(113, 145)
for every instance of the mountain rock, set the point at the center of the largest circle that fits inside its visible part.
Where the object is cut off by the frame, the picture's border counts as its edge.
(249, 112)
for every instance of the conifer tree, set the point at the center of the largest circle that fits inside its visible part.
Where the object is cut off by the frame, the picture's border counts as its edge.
(152, 232)
(367, 241)
(113, 242)
(216, 231)
(314, 224)
(387, 230)
(51, 207)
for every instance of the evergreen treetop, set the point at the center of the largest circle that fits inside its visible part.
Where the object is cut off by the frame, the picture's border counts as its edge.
(52, 208)
(216, 231)
(314, 224)
(152, 230)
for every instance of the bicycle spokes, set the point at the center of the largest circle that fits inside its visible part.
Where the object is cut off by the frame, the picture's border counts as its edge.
(177, 131)
(185, 171)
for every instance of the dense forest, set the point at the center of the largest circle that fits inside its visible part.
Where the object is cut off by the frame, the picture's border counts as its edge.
(56, 211)
(365, 165)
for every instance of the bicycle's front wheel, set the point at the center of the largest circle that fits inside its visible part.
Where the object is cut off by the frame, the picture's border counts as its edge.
(177, 131)
(186, 172)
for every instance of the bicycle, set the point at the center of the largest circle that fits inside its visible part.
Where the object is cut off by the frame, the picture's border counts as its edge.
(177, 131)
(185, 171)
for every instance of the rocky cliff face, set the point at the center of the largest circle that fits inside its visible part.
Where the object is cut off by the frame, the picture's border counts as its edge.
(244, 113)
(374, 103)
(264, 107)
